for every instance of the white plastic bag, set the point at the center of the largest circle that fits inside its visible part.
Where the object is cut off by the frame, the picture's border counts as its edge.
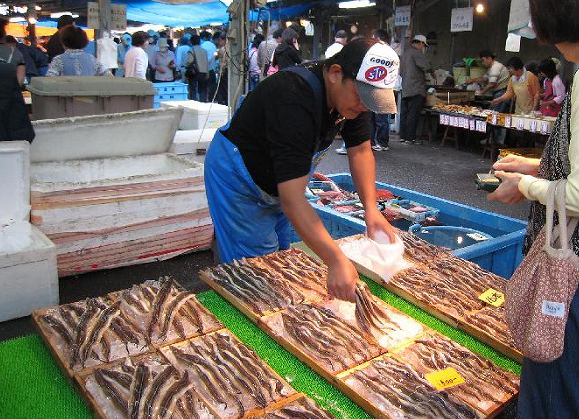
(380, 256)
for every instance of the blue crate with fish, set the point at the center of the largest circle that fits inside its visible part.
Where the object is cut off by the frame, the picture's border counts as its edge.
(411, 210)
(493, 241)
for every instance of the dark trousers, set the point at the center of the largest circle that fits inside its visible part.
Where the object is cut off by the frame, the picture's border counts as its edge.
(222, 90)
(409, 116)
(198, 88)
(381, 131)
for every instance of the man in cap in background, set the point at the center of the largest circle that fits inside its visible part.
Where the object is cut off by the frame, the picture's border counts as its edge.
(266, 50)
(340, 39)
(54, 46)
(258, 166)
(181, 53)
(413, 68)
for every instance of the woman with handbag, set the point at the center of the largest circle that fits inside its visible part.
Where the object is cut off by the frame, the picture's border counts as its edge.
(549, 384)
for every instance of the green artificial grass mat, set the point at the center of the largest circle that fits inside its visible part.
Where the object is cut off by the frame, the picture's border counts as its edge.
(32, 385)
(300, 376)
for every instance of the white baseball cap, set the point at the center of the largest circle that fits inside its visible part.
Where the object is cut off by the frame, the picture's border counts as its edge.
(420, 38)
(377, 77)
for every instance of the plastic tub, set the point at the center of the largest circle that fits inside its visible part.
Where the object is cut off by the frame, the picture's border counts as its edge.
(449, 236)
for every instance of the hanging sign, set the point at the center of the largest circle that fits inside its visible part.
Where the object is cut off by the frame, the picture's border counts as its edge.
(461, 19)
(118, 17)
(402, 16)
(92, 15)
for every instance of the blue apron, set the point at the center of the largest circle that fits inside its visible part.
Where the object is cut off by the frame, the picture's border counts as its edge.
(248, 221)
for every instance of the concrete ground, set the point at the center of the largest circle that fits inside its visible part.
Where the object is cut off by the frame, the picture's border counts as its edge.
(441, 171)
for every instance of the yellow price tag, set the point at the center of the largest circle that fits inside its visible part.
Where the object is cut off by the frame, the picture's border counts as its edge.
(493, 297)
(445, 378)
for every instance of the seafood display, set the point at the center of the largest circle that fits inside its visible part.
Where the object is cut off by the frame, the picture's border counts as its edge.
(143, 387)
(462, 109)
(491, 320)
(396, 390)
(421, 251)
(271, 283)
(317, 331)
(227, 375)
(127, 323)
(388, 326)
(486, 386)
(304, 407)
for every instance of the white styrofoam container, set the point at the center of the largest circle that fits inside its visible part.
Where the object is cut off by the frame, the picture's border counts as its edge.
(122, 199)
(189, 141)
(199, 115)
(28, 276)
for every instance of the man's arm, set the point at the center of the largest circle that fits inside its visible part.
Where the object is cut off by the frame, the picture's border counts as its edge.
(342, 275)
(363, 169)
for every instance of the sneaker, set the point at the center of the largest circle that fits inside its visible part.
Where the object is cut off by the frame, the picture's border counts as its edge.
(402, 140)
(341, 150)
(385, 148)
(377, 147)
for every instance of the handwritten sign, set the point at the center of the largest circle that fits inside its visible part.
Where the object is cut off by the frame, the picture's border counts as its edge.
(445, 378)
(544, 128)
(92, 15)
(441, 119)
(461, 19)
(534, 125)
(118, 17)
(402, 16)
(493, 297)
(520, 124)
(494, 119)
(472, 124)
(507, 121)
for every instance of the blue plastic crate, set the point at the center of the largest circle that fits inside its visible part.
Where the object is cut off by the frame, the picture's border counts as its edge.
(171, 96)
(501, 254)
(170, 88)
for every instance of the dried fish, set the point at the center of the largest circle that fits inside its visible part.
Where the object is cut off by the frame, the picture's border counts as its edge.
(303, 408)
(58, 327)
(140, 381)
(103, 321)
(158, 303)
(83, 328)
(111, 392)
(152, 391)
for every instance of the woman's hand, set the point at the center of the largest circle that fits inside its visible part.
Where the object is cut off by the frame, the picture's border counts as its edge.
(376, 224)
(508, 191)
(519, 164)
(342, 279)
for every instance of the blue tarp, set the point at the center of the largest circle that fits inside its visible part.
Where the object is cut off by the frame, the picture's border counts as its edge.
(196, 14)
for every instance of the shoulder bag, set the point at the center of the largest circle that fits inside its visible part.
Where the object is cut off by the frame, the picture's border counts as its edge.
(542, 288)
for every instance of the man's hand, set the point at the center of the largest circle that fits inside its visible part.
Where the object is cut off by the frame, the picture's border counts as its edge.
(342, 279)
(518, 164)
(508, 191)
(376, 223)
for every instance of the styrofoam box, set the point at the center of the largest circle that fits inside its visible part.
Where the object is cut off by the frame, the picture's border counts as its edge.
(199, 115)
(28, 278)
(116, 197)
(189, 141)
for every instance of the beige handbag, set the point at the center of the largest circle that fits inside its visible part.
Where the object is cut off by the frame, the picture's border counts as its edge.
(540, 291)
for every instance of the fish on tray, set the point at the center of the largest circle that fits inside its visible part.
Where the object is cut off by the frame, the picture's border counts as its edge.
(492, 321)
(127, 323)
(144, 387)
(304, 407)
(227, 375)
(324, 336)
(486, 386)
(271, 283)
(396, 390)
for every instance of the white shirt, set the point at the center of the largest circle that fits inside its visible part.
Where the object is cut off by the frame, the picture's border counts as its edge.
(499, 74)
(333, 49)
(536, 189)
(136, 62)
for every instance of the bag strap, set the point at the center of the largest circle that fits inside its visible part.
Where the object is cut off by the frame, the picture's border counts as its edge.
(566, 224)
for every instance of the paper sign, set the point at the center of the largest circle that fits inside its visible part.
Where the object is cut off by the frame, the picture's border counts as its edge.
(442, 119)
(534, 125)
(461, 19)
(507, 121)
(513, 43)
(92, 15)
(493, 297)
(520, 124)
(494, 119)
(544, 128)
(118, 17)
(472, 124)
(445, 378)
(402, 16)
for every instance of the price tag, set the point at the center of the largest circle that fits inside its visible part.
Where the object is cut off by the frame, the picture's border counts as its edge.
(493, 297)
(544, 128)
(455, 122)
(494, 119)
(534, 125)
(441, 119)
(507, 121)
(483, 126)
(446, 378)
(471, 124)
(477, 236)
(520, 124)
(465, 123)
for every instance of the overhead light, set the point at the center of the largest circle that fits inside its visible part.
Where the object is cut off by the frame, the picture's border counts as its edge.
(37, 8)
(4, 9)
(32, 20)
(480, 8)
(17, 19)
(215, 23)
(355, 4)
(60, 14)
(20, 9)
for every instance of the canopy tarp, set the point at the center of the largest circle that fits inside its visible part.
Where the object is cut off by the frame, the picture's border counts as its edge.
(194, 14)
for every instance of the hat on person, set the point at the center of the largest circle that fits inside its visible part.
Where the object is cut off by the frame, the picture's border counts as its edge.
(376, 76)
(64, 20)
(420, 38)
(341, 34)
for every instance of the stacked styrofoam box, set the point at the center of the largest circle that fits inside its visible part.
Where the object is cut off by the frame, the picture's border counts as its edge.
(110, 195)
(199, 115)
(28, 278)
(193, 142)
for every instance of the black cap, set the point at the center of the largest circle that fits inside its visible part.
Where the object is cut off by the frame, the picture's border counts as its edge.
(64, 20)
(341, 34)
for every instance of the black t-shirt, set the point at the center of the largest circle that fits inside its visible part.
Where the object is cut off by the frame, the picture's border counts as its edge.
(275, 128)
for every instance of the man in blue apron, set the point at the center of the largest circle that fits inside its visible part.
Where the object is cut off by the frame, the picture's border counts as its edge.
(258, 166)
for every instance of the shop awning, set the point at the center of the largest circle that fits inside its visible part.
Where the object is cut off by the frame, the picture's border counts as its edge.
(194, 14)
